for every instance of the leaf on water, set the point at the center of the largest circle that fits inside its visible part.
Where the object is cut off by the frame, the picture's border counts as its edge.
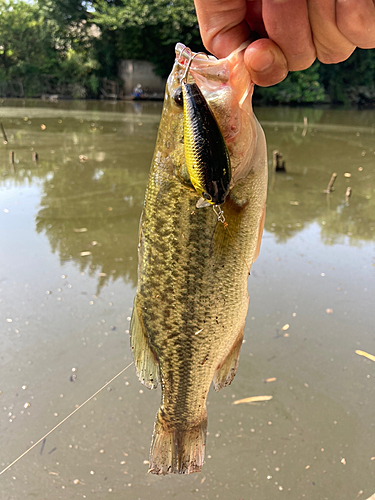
(80, 229)
(366, 355)
(84, 254)
(252, 399)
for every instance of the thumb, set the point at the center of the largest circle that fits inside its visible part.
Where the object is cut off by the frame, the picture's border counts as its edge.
(265, 62)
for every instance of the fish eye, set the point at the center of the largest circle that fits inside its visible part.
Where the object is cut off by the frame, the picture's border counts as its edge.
(207, 196)
(177, 96)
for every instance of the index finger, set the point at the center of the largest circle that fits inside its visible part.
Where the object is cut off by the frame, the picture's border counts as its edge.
(222, 25)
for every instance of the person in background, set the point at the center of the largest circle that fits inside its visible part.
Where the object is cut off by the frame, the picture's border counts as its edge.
(287, 35)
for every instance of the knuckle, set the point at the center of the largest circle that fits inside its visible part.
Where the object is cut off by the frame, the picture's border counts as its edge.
(358, 29)
(333, 57)
(300, 64)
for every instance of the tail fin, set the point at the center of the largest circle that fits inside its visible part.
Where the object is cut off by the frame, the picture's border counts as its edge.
(177, 450)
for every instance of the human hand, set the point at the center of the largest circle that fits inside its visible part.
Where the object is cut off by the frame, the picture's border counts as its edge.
(293, 33)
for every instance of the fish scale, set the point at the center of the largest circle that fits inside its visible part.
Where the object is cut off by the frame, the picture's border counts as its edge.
(192, 299)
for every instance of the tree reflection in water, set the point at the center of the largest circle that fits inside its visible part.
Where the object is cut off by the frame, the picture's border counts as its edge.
(94, 167)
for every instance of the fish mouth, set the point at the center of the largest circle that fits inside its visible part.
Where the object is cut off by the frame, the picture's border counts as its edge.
(227, 88)
(184, 55)
(201, 64)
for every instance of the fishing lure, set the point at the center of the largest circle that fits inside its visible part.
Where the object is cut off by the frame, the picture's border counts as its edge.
(206, 154)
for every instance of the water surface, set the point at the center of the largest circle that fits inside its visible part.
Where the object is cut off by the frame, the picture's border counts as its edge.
(68, 225)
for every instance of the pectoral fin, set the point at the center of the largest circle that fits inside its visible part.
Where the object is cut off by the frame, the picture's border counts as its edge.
(227, 369)
(144, 359)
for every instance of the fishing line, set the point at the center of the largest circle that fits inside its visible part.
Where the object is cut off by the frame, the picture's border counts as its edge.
(221, 218)
(65, 419)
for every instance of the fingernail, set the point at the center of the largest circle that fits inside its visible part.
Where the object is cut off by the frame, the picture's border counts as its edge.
(261, 60)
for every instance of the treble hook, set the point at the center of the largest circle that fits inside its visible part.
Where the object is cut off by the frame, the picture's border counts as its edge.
(192, 56)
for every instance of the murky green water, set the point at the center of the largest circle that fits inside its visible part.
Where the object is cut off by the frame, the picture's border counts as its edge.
(68, 226)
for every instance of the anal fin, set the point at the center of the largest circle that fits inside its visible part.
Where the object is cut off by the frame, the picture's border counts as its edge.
(227, 369)
(144, 359)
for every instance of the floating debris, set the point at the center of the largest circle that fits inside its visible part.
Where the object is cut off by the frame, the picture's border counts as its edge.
(271, 379)
(347, 174)
(80, 229)
(83, 158)
(84, 254)
(285, 327)
(43, 127)
(329, 311)
(366, 355)
(252, 399)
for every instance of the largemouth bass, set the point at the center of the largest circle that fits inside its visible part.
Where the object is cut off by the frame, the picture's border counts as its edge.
(191, 303)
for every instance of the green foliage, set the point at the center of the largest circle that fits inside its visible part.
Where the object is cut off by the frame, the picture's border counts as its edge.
(351, 81)
(68, 46)
(298, 87)
(147, 29)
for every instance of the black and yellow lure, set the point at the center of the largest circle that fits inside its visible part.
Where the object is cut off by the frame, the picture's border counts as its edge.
(206, 154)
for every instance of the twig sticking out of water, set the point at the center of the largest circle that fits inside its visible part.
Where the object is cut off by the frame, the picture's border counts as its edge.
(278, 165)
(3, 132)
(304, 131)
(348, 194)
(35, 156)
(331, 183)
(11, 157)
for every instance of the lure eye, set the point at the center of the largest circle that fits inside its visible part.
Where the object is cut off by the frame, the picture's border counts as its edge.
(177, 96)
(207, 196)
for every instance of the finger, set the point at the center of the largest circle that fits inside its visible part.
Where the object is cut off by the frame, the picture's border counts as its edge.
(265, 62)
(222, 25)
(294, 36)
(330, 44)
(356, 21)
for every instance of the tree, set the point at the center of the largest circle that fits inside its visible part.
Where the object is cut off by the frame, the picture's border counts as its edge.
(147, 29)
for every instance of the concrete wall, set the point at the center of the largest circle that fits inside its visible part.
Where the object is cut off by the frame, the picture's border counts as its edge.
(134, 72)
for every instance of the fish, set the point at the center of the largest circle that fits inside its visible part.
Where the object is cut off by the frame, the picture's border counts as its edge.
(191, 302)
